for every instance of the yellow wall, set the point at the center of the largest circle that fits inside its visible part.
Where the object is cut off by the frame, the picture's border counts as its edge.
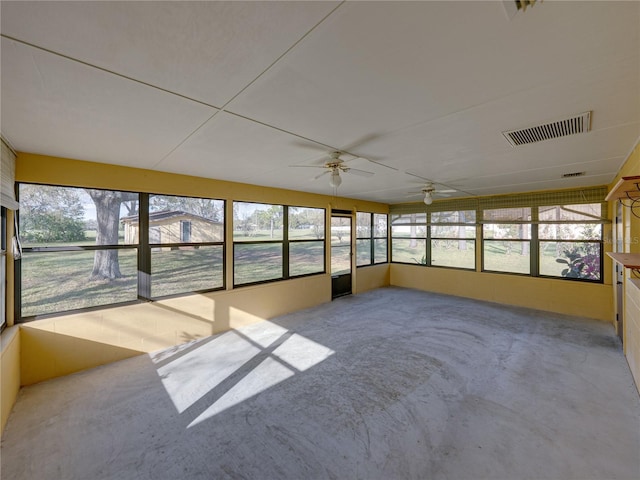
(571, 298)
(9, 372)
(369, 278)
(631, 223)
(631, 244)
(61, 171)
(68, 343)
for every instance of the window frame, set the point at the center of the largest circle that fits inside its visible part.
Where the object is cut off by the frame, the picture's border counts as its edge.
(599, 242)
(290, 242)
(286, 243)
(18, 273)
(410, 224)
(147, 247)
(530, 240)
(3, 268)
(371, 238)
(431, 238)
(534, 258)
(142, 246)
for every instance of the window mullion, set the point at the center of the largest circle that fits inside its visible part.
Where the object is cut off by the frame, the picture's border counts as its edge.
(534, 245)
(285, 242)
(427, 252)
(144, 251)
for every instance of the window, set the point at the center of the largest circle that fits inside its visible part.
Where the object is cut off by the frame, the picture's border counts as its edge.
(185, 231)
(453, 241)
(72, 257)
(3, 268)
(186, 240)
(364, 254)
(570, 243)
(306, 240)
(380, 240)
(275, 242)
(542, 234)
(409, 238)
(258, 241)
(371, 238)
(506, 234)
(86, 248)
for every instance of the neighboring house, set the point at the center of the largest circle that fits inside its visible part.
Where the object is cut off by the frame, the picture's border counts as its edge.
(174, 226)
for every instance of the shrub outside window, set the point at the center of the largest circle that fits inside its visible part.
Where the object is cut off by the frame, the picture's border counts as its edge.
(570, 243)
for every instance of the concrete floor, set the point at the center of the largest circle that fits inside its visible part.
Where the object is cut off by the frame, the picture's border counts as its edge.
(390, 384)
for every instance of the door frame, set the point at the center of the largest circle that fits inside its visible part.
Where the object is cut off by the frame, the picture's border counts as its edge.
(341, 285)
(618, 270)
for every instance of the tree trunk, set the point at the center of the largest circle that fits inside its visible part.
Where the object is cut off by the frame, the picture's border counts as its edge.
(462, 232)
(105, 262)
(413, 243)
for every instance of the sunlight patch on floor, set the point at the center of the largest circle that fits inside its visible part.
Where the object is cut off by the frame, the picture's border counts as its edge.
(207, 376)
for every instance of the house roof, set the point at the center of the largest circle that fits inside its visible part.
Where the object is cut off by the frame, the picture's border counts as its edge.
(167, 214)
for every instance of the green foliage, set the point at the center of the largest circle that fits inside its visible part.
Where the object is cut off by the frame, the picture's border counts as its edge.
(51, 214)
(582, 261)
(53, 227)
(422, 261)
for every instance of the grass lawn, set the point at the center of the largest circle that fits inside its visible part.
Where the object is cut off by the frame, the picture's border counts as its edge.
(59, 281)
(497, 256)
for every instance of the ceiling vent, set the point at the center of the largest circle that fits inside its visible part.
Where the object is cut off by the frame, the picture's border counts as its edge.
(561, 128)
(573, 174)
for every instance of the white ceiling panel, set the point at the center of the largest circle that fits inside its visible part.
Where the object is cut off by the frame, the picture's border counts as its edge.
(205, 50)
(236, 149)
(421, 87)
(526, 186)
(383, 66)
(54, 106)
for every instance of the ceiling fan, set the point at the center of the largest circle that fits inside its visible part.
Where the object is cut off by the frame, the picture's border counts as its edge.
(333, 166)
(428, 190)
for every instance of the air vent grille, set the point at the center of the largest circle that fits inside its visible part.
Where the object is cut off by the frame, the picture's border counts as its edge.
(561, 128)
(573, 174)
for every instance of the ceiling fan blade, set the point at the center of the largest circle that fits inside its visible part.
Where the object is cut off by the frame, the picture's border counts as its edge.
(360, 173)
(321, 175)
(312, 145)
(361, 141)
(307, 166)
(446, 191)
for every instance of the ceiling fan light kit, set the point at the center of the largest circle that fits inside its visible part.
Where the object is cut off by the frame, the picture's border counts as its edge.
(334, 166)
(335, 180)
(428, 198)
